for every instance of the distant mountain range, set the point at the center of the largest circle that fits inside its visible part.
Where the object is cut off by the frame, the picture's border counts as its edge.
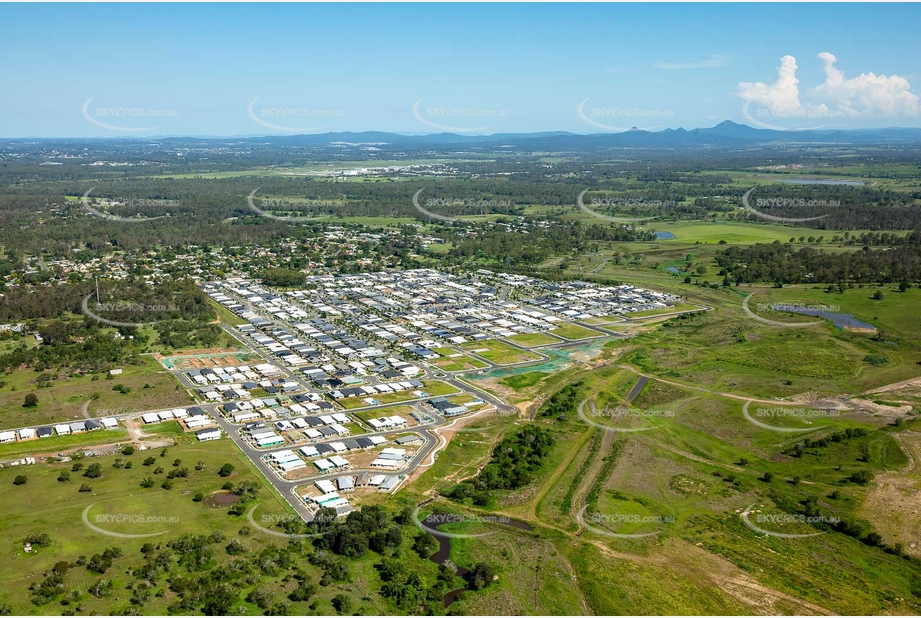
(726, 134)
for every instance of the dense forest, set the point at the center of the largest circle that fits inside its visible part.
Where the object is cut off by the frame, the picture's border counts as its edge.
(784, 263)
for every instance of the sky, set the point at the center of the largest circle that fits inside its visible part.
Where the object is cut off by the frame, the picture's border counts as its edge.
(145, 70)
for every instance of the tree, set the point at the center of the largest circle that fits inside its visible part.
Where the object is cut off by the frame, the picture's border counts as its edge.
(84, 488)
(20, 480)
(128, 450)
(30, 401)
(150, 461)
(481, 576)
(877, 295)
(226, 470)
(93, 471)
(64, 476)
(767, 477)
(342, 604)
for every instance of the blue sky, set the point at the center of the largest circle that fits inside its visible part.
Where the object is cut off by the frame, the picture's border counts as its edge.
(253, 69)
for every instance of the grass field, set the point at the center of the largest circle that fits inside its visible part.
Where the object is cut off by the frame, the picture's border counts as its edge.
(456, 361)
(533, 339)
(574, 332)
(498, 352)
(57, 443)
(151, 388)
(46, 505)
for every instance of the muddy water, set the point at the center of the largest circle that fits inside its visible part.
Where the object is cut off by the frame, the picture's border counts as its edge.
(444, 547)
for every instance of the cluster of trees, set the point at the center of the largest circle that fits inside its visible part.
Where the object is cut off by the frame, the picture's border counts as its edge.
(783, 263)
(520, 248)
(562, 403)
(88, 345)
(513, 464)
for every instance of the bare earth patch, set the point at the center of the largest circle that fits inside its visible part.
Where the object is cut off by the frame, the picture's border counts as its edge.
(894, 500)
(221, 499)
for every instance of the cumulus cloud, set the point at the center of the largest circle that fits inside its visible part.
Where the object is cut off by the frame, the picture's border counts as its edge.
(710, 63)
(867, 94)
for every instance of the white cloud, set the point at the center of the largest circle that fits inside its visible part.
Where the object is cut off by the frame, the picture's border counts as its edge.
(867, 93)
(710, 63)
(864, 95)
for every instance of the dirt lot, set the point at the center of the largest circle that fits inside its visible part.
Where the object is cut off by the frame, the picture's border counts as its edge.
(894, 501)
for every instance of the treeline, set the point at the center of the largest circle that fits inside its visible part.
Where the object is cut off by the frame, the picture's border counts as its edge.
(783, 263)
(513, 248)
(513, 464)
(841, 207)
(214, 575)
(562, 403)
(181, 314)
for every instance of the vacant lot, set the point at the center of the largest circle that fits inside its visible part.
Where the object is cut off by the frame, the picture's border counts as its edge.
(533, 339)
(151, 388)
(573, 331)
(499, 352)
